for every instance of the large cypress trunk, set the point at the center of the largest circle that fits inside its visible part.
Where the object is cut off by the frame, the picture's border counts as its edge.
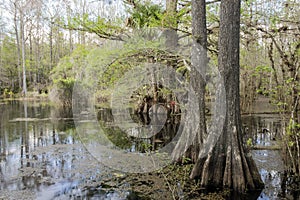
(228, 165)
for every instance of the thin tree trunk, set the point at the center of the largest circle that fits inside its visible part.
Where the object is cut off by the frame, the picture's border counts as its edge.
(82, 33)
(171, 39)
(170, 32)
(199, 63)
(24, 91)
(32, 74)
(18, 46)
(51, 45)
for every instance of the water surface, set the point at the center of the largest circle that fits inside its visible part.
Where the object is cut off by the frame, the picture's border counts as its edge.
(42, 157)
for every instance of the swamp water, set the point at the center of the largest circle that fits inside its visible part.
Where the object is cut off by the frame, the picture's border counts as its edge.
(41, 156)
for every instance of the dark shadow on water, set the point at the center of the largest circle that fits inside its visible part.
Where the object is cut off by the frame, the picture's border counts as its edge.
(163, 133)
(251, 195)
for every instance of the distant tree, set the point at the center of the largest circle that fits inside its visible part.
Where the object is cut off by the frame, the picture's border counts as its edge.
(14, 11)
(24, 12)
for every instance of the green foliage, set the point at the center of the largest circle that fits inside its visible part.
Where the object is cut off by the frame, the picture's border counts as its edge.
(262, 71)
(182, 69)
(98, 25)
(146, 14)
(293, 128)
(213, 13)
(145, 147)
(65, 73)
(105, 65)
(263, 68)
(7, 93)
(292, 141)
(186, 160)
(183, 17)
(164, 92)
(69, 66)
(64, 90)
(9, 64)
(249, 142)
(109, 63)
(67, 83)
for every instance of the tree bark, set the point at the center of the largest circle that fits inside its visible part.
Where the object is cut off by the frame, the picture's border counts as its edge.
(191, 139)
(22, 29)
(18, 44)
(171, 37)
(171, 19)
(228, 165)
(199, 64)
